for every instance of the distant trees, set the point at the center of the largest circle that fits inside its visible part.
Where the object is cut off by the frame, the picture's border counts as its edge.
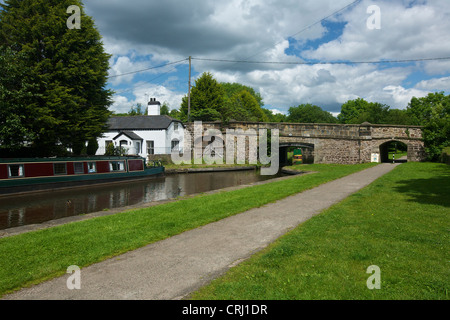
(432, 112)
(211, 101)
(53, 91)
(165, 111)
(243, 106)
(359, 111)
(274, 117)
(136, 110)
(308, 113)
(207, 102)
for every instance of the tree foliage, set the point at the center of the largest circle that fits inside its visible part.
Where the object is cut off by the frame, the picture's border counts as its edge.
(68, 68)
(308, 113)
(432, 112)
(243, 106)
(15, 102)
(232, 89)
(359, 111)
(274, 117)
(206, 100)
(165, 111)
(212, 101)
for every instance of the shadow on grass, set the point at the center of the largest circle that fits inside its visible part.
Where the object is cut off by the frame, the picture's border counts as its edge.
(434, 190)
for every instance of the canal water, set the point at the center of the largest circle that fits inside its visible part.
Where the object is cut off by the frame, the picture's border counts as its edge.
(36, 208)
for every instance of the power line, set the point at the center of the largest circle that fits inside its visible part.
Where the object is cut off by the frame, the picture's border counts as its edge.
(153, 79)
(308, 27)
(324, 62)
(186, 59)
(142, 70)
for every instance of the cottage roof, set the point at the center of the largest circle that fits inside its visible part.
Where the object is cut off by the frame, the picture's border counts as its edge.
(161, 122)
(129, 134)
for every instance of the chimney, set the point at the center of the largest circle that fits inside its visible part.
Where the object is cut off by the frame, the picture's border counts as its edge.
(154, 107)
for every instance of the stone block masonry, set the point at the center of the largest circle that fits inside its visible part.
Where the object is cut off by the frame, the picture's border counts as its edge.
(332, 143)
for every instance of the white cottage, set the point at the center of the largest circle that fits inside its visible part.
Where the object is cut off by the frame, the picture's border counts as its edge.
(144, 135)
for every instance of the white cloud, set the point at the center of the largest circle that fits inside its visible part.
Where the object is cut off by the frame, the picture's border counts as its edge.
(406, 33)
(142, 93)
(401, 96)
(328, 86)
(436, 84)
(276, 111)
(161, 31)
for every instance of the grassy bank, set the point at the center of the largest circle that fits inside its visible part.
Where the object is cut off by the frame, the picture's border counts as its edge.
(36, 256)
(399, 223)
(172, 166)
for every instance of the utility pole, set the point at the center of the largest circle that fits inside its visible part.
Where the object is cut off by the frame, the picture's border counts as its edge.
(189, 92)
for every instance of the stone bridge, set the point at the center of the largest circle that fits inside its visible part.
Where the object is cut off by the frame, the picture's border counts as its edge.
(333, 143)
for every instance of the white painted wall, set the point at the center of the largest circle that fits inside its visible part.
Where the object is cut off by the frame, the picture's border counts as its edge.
(162, 140)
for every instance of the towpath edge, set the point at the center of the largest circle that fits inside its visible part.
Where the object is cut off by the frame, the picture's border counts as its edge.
(175, 267)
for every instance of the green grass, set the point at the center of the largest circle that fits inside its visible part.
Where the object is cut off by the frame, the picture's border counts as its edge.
(398, 155)
(399, 223)
(40, 255)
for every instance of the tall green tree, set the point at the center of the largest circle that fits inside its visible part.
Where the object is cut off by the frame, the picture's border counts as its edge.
(244, 106)
(137, 110)
(351, 110)
(165, 109)
(398, 116)
(274, 117)
(15, 101)
(359, 111)
(68, 67)
(232, 89)
(432, 112)
(207, 102)
(308, 113)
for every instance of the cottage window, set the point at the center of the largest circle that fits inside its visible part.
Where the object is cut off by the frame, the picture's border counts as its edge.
(175, 145)
(15, 170)
(150, 147)
(107, 143)
(138, 147)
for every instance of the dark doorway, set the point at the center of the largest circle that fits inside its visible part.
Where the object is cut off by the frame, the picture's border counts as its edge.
(287, 151)
(394, 152)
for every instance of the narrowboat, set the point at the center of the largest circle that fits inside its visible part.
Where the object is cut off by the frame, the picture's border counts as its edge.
(36, 174)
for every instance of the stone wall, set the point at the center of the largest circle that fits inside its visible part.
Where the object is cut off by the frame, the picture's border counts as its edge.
(331, 143)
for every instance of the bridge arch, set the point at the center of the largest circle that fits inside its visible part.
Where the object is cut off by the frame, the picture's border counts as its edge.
(307, 151)
(388, 147)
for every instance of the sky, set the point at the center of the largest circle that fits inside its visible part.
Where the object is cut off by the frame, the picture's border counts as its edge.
(315, 49)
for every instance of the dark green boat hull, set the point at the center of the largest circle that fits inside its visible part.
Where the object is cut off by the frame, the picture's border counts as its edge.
(12, 186)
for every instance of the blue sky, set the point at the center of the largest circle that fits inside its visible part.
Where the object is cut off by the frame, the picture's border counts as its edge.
(143, 34)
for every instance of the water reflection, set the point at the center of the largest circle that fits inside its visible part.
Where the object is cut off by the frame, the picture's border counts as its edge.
(37, 208)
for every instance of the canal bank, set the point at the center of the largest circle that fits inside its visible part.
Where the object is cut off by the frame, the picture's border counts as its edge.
(173, 173)
(210, 169)
(174, 267)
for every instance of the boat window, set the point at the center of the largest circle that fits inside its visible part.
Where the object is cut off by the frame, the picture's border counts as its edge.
(117, 166)
(15, 170)
(60, 168)
(78, 167)
(92, 168)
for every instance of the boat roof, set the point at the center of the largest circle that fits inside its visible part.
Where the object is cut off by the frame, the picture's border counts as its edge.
(68, 159)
